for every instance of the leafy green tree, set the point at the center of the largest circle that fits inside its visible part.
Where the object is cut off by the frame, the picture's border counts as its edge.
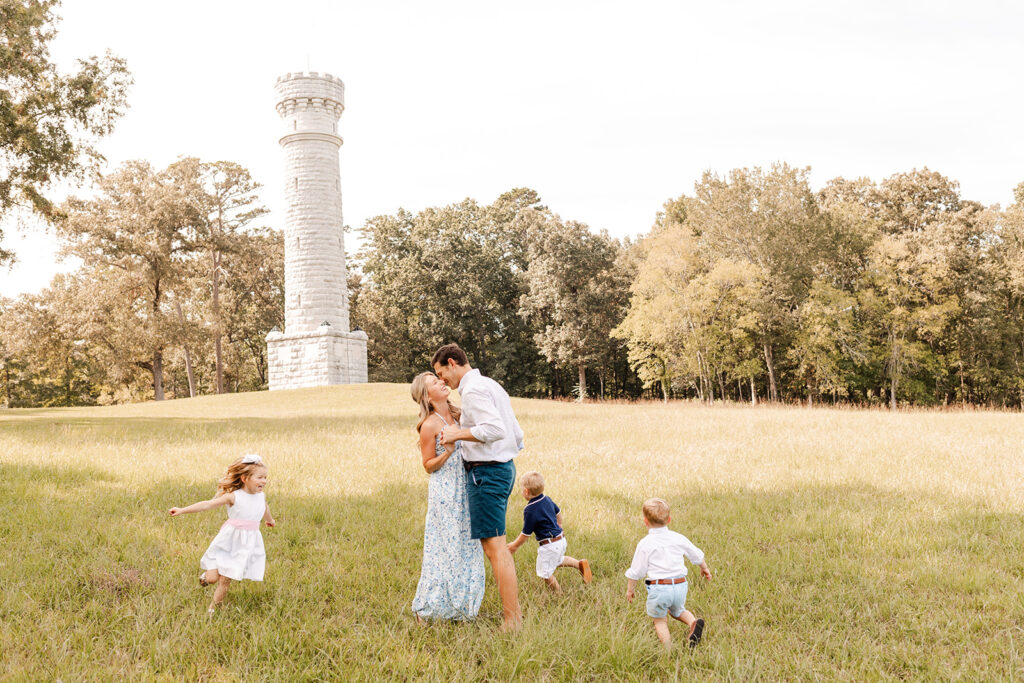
(49, 121)
(226, 199)
(576, 293)
(453, 273)
(254, 303)
(771, 220)
(141, 224)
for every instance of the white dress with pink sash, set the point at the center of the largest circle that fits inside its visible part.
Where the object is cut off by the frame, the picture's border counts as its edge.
(237, 550)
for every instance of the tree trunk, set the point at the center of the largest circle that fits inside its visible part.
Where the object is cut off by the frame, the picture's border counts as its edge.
(215, 301)
(600, 378)
(773, 390)
(721, 385)
(158, 375)
(664, 390)
(188, 354)
(894, 371)
(583, 382)
(753, 392)
(69, 372)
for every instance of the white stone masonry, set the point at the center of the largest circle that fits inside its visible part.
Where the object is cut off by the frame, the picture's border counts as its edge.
(317, 348)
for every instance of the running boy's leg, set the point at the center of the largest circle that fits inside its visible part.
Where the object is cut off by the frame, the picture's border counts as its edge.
(661, 628)
(583, 566)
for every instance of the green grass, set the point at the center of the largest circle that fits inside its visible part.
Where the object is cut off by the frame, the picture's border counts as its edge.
(850, 545)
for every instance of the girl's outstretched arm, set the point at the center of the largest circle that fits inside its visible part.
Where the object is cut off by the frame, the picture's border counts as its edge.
(268, 518)
(216, 502)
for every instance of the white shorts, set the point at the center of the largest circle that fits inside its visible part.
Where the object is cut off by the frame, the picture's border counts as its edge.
(549, 558)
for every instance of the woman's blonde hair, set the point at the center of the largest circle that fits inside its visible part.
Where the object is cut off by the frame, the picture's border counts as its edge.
(418, 389)
(232, 481)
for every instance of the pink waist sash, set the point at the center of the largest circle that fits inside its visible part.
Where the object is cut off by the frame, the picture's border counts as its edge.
(247, 524)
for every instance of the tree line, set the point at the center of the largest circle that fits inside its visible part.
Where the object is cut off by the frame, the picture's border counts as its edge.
(174, 296)
(754, 288)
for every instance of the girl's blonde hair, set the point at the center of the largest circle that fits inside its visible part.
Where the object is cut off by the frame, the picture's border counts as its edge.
(232, 481)
(418, 389)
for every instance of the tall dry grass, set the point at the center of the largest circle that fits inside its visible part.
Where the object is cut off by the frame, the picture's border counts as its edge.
(846, 544)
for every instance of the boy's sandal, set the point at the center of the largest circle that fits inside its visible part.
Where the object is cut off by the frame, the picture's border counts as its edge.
(696, 632)
(585, 571)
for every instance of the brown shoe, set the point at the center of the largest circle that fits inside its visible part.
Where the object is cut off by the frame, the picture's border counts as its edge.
(585, 571)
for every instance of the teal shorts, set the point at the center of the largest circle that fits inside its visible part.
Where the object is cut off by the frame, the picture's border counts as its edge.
(665, 599)
(489, 487)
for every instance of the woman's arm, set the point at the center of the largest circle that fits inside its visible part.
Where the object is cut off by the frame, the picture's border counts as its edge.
(428, 451)
(223, 499)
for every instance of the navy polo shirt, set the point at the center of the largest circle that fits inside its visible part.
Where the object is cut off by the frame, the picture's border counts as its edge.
(539, 518)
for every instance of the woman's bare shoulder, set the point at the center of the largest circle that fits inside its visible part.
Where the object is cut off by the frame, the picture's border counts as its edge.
(432, 425)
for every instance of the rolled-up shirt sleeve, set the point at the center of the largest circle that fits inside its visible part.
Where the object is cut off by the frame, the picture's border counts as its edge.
(692, 552)
(638, 569)
(487, 422)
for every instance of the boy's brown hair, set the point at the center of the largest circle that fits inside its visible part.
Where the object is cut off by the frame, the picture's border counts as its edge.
(532, 482)
(656, 511)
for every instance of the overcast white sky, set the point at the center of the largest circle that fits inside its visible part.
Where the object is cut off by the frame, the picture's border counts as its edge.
(607, 109)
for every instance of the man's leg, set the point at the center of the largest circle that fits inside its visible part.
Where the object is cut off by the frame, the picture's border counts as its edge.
(504, 568)
(552, 583)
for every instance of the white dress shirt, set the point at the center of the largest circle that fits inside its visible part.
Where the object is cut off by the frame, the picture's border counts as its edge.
(659, 555)
(487, 413)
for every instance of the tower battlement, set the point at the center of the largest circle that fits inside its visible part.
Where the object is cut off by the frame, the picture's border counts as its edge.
(309, 91)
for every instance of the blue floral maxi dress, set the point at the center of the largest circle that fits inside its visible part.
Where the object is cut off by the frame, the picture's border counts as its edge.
(452, 580)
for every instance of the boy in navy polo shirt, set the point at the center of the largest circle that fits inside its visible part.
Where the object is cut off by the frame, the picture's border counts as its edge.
(543, 518)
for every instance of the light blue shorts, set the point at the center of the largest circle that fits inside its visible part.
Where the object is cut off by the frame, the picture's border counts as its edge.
(665, 599)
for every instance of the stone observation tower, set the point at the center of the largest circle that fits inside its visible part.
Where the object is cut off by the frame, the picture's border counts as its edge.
(317, 348)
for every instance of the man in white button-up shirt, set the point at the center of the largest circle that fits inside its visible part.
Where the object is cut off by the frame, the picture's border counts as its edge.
(660, 556)
(491, 437)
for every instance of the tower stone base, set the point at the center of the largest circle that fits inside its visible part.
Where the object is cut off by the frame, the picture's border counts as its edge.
(315, 359)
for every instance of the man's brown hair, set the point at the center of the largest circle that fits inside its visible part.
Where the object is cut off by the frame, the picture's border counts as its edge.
(449, 351)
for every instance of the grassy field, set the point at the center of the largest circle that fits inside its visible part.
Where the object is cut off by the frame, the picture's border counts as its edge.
(850, 545)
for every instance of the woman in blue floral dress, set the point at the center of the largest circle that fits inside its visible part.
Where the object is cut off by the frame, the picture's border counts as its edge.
(452, 580)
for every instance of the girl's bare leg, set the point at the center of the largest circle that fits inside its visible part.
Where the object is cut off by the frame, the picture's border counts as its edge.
(222, 590)
(211, 576)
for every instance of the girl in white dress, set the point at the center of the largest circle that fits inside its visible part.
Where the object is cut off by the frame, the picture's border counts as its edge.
(237, 550)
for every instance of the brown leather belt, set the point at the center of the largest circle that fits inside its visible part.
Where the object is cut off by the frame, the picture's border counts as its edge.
(545, 541)
(665, 582)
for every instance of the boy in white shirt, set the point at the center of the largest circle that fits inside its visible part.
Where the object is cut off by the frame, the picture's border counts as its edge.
(660, 557)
